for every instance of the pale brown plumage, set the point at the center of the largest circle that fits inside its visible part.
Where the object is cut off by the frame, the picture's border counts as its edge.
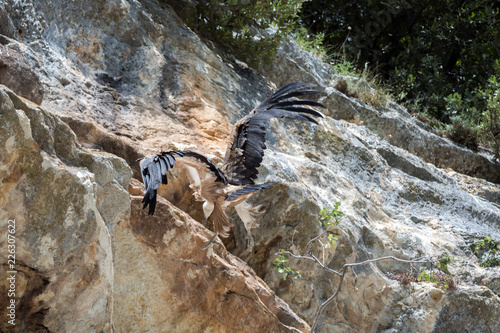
(233, 183)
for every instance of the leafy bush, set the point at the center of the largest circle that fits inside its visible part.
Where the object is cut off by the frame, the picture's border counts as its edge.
(463, 133)
(311, 42)
(477, 118)
(488, 252)
(443, 280)
(491, 115)
(251, 30)
(443, 261)
(329, 217)
(281, 264)
(440, 58)
(440, 277)
(428, 50)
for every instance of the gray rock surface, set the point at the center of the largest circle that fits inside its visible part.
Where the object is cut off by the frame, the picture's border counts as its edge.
(63, 252)
(128, 78)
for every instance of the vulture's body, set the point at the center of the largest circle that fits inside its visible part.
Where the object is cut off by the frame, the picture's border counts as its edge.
(233, 183)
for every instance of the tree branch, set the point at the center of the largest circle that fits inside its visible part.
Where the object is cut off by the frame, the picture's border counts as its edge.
(344, 271)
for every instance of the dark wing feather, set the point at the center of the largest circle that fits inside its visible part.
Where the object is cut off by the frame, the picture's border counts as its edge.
(246, 147)
(154, 170)
(248, 189)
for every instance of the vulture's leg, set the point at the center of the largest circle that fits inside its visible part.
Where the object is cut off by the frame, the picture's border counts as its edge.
(247, 214)
(204, 247)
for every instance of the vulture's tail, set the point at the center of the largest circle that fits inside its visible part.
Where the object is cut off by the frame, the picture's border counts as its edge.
(221, 224)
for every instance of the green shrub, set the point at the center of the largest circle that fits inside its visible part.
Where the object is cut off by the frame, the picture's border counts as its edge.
(488, 252)
(440, 277)
(463, 133)
(426, 51)
(240, 26)
(281, 264)
(311, 42)
(491, 115)
(329, 217)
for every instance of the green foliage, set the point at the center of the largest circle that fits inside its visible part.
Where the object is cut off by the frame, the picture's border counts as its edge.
(444, 260)
(477, 118)
(491, 115)
(429, 49)
(440, 57)
(332, 240)
(440, 276)
(311, 42)
(242, 27)
(329, 217)
(443, 280)
(488, 251)
(344, 67)
(463, 132)
(281, 264)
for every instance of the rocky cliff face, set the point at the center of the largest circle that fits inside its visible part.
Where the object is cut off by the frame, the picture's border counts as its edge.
(120, 79)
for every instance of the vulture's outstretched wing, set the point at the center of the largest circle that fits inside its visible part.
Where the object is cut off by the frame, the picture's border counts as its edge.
(246, 146)
(154, 170)
(248, 189)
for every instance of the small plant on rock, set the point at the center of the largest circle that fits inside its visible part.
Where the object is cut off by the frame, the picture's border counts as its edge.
(281, 264)
(488, 252)
(443, 261)
(440, 278)
(327, 219)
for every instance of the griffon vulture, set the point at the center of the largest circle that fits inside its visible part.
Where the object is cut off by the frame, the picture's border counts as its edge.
(233, 183)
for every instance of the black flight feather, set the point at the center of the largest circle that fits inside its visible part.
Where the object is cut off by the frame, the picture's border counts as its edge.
(246, 152)
(154, 171)
(248, 189)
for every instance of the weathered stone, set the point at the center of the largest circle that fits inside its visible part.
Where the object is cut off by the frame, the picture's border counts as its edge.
(130, 79)
(63, 249)
(392, 123)
(165, 282)
(16, 74)
(7, 27)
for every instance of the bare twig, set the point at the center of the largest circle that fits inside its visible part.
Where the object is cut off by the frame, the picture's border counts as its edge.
(421, 260)
(309, 258)
(344, 271)
(345, 267)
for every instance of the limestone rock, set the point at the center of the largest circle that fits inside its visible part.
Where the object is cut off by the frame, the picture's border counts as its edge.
(63, 252)
(166, 283)
(392, 123)
(16, 74)
(130, 79)
(87, 260)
